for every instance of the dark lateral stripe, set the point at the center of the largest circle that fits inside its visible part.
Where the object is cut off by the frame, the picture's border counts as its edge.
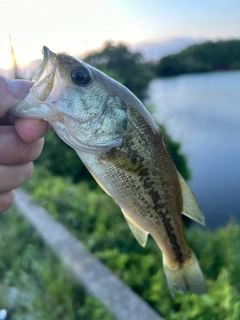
(161, 210)
(173, 239)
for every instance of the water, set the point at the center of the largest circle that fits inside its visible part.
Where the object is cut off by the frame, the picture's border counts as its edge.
(203, 112)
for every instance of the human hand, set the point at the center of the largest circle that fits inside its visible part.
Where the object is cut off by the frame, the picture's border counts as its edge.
(21, 141)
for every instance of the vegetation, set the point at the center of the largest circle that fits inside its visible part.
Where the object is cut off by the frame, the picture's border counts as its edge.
(131, 70)
(97, 221)
(34, 285)
(208, 56)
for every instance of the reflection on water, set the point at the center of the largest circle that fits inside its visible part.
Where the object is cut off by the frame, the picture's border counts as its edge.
(203, 112)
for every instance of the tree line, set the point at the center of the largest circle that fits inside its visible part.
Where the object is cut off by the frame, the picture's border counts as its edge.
(205, 57)
(130, 68)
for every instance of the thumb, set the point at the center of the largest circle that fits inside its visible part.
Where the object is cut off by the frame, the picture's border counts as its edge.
(11, 92)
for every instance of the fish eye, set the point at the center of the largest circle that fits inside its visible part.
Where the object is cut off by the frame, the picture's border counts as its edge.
(80, 76)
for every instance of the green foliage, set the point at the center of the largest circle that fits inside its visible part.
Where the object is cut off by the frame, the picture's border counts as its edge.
(94, 218)
(34, 285)
(124, 66)
(208, 56)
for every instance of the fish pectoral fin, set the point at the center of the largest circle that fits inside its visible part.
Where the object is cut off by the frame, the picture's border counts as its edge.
(140, 234)
(191, 207)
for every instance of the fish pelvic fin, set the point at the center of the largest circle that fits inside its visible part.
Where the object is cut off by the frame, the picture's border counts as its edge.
(187, 278)
(140, 234)
(191, 208)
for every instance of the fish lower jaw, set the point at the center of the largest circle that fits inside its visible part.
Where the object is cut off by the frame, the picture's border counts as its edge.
(32, 108)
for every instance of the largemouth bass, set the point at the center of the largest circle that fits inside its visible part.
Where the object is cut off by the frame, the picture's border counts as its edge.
(125, 151)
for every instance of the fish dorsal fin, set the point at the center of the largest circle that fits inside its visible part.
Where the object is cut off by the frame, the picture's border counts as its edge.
(140, 234)
(191, 207)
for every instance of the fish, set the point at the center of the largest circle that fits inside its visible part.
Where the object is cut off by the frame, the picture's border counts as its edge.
(125, 151)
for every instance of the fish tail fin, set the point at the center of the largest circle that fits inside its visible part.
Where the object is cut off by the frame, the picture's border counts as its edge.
(187, 278)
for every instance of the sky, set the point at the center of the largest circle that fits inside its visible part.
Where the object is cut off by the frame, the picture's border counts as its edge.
(78, 26)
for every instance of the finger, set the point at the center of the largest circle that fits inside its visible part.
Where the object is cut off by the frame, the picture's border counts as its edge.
(20, 88)
(11, 92)
(6, 200)
(31, 130)
(12, 177)
(13, 150)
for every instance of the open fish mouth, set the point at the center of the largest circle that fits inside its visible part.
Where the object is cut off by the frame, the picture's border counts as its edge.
(44, 78)
(45, 91)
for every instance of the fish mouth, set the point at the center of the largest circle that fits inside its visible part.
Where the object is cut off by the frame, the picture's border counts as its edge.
(46, 87)
(44, 78)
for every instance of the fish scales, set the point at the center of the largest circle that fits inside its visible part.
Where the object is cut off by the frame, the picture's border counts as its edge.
(148, 188)
(125, 151)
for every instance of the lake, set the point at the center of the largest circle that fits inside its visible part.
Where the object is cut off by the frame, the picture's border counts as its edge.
(202, 111)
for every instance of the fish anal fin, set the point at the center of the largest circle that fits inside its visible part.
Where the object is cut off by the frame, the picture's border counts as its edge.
(191, 207)
(140, 234)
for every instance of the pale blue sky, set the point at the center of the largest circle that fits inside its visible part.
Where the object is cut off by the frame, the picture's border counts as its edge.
(205, 18)
(75, 26)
